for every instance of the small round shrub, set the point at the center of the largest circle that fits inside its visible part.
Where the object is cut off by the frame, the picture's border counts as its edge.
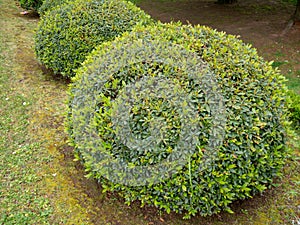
(31, 4)
(50, 4)
(68, 33)
(168, 92)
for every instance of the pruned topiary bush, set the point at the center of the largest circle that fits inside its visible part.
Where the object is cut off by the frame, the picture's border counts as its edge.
(31, 4)
(184, 118)
(68, 33)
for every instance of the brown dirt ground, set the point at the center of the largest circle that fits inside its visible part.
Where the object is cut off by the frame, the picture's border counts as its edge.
(259, 22)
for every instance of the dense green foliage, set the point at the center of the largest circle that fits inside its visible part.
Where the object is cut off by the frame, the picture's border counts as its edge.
(111, 105)
(49, 5)
(67, 33)
(294, 108)
(31, 4)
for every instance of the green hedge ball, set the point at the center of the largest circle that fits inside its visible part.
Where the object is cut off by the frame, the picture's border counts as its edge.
(112, 81)
(69, 32)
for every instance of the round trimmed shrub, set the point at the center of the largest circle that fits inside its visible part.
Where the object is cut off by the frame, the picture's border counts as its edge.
(184, 118)
(68, 33)
(31, 4)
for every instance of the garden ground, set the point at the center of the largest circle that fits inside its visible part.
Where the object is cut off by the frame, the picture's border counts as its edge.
(40, 183)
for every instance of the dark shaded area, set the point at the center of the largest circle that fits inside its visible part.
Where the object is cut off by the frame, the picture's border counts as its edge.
(226, 1)
(296, 16)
